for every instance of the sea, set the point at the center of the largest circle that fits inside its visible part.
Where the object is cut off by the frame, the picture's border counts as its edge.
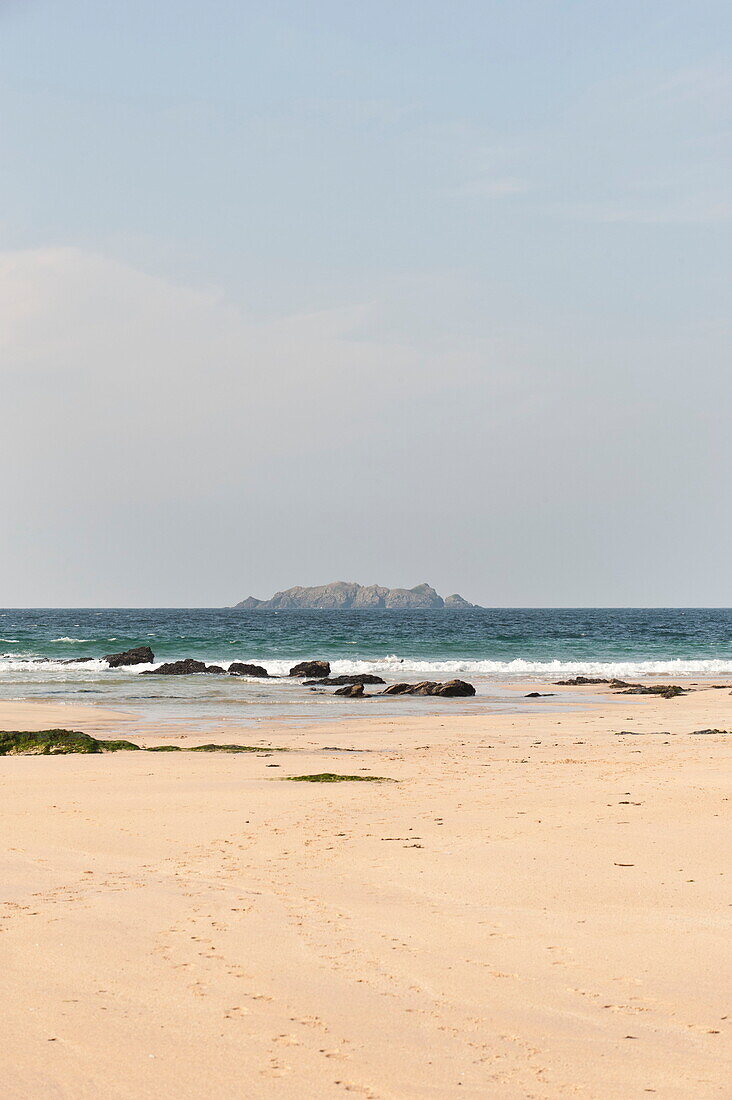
(488, 647)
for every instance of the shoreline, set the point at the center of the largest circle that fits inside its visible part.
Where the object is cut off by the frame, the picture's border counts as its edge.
(538, 907)
(505, 698)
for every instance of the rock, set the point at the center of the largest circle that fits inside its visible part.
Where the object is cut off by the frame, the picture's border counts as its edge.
(77, 660)
(670, 691)
(424, 687)
(397, 689)
(666, 691)
(143, 655)
(456, 603)
(423, 596)
(369, 596)
(430, 687)
(177, 668)
(238, 668)
(580, 681)
(352, 691)
(454, 687)
(338, 681)
(317, 669)
(215, 670)
(539, 695)
(58, 743)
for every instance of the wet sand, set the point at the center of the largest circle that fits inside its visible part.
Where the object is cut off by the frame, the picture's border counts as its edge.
(539, 907)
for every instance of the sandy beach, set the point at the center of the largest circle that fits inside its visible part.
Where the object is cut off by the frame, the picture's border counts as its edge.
(538, 907)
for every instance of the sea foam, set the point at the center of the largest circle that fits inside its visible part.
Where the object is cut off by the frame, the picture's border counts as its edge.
(519, 668)
(395, 667)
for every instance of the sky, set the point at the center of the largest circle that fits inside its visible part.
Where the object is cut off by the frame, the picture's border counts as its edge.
(293, 292)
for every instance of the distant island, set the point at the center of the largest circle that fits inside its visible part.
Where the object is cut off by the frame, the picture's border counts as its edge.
(344, 596)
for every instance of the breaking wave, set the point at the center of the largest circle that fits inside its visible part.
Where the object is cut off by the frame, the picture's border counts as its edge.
(42, 666)
(516, 669)
(395, 667)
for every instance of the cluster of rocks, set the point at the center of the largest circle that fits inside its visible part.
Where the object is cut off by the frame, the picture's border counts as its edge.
(666, 691)
(184, 668)
(431, 687)
(143, 655)
(582, 681)
(352, 686)
(190, 665)
(317, 671)
(355, 690)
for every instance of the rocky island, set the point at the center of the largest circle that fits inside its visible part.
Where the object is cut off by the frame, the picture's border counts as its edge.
(345, 596)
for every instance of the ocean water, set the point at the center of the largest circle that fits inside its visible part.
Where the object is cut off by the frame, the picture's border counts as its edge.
(485, 646)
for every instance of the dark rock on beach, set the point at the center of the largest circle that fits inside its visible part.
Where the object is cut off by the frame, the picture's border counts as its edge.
(142, 655)
(178, 668)
(214, 670)
(454, 688)
(666, 691)
(539, 695)
(317, 669)
(351, 691)
(424, 687)
(339, 681)
(430, 687)
(582, 681)
(239, 668)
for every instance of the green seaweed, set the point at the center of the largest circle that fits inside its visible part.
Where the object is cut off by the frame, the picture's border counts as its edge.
(63, 742)
(57, 743)
(331, 777)
(234, 748)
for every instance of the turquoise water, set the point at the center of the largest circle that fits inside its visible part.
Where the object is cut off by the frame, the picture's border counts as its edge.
(485, 646)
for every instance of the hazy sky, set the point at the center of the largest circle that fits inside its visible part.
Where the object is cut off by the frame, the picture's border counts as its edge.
(392, 291)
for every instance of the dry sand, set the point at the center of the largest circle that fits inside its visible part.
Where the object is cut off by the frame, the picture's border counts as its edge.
(538, 908)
